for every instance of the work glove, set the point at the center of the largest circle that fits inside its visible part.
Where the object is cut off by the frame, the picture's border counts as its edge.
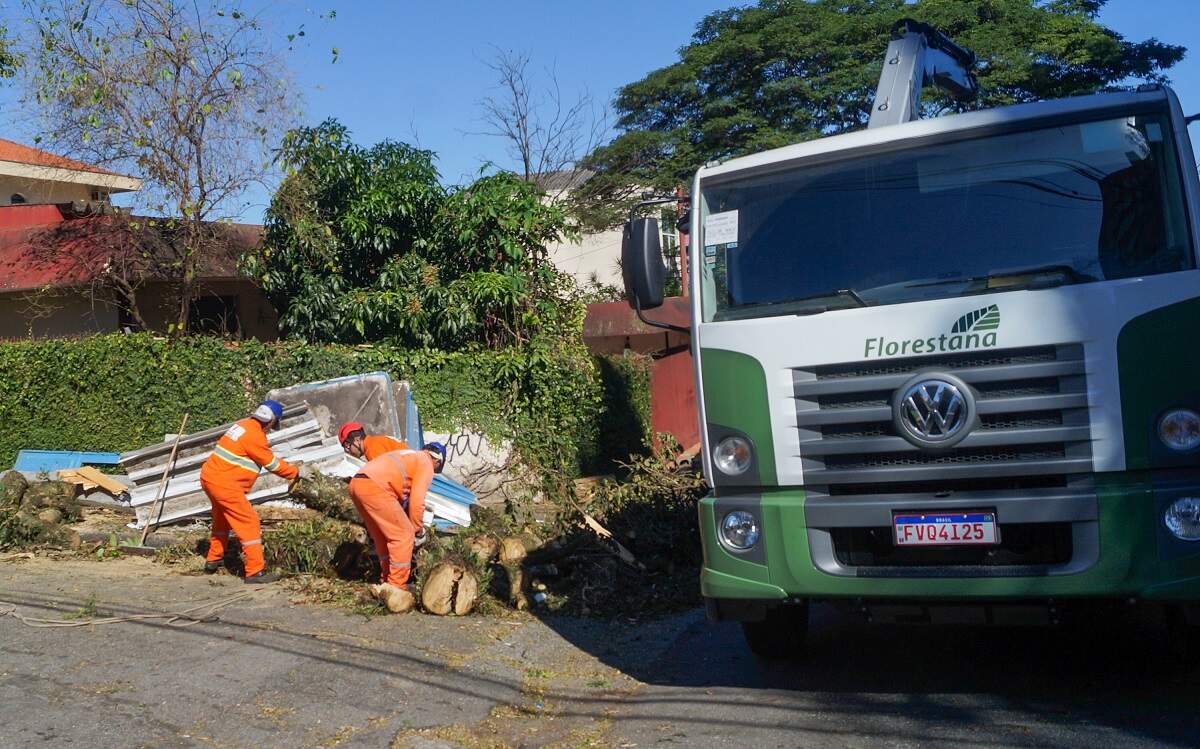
(306, 472)
(420, 539)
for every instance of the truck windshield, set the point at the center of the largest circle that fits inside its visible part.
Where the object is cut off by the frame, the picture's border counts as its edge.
(1072, 204)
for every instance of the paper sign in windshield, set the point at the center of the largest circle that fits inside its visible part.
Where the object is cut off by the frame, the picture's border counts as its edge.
(721, 228)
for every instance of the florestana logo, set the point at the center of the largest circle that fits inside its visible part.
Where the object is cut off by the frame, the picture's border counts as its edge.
(974, 330)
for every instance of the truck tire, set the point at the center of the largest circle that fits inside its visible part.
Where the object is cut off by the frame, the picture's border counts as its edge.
(781, 635)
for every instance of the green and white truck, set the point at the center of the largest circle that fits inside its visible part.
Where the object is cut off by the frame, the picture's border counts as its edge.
(948, 369)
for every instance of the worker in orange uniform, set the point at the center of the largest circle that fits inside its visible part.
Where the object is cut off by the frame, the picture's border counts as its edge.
(229, 474)
(357, 443)
(389, 493)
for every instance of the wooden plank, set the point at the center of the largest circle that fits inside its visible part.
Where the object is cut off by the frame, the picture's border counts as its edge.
(90, 478)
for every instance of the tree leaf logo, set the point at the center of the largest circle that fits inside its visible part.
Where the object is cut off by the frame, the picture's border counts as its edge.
(986, 318)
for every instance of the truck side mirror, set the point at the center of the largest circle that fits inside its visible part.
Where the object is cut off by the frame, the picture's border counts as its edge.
(642, 263)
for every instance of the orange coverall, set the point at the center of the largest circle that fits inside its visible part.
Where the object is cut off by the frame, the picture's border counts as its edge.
(379, 490)
(378, 444)
(227, 476)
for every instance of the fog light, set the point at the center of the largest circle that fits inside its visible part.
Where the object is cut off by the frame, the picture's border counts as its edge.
(1180, 430)
(1183, 519)
(732, 456)
(740, 529)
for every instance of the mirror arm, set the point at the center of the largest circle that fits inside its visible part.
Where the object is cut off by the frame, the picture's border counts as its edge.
(653, 201)
(637, 306)
(1193, 118)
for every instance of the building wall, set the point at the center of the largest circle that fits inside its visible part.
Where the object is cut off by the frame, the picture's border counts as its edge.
(23, 315)
(256, 316)
(54, 316)
(594, 253)
(41, 191)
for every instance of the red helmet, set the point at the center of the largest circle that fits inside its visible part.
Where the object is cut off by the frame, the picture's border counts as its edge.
(349, 428)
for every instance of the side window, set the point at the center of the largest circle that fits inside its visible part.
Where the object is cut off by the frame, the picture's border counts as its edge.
(17, 199)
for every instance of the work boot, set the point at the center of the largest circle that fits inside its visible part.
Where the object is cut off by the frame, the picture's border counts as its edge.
(262, 578)
(212, 567)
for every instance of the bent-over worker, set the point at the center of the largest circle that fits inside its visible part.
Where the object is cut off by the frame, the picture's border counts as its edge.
(357, 443)
(389, 494)
(228, 475)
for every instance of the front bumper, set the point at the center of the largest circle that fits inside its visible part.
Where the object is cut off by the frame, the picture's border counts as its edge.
(1121, 550)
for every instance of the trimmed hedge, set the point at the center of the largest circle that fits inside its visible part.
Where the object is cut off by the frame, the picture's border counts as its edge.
(562, 408)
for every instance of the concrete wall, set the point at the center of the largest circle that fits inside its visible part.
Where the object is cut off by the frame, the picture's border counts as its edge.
(595, 253)
(41, 191)
(69, 314)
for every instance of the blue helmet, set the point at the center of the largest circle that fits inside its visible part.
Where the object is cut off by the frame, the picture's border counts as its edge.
(440, 449)
(269, 412)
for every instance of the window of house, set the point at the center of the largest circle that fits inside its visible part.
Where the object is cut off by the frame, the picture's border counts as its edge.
(17, 199)
(215, 314)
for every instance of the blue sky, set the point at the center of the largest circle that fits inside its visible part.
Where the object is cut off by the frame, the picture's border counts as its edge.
(413, 70)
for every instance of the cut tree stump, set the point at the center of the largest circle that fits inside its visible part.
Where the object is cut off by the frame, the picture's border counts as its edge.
(485, 547)
(512, 550)
(450, 588)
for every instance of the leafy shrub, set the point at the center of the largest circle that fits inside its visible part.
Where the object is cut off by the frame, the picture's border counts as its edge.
(120, 392)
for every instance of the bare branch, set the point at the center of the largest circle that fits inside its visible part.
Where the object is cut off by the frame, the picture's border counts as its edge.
(545, 131)
(184, 94)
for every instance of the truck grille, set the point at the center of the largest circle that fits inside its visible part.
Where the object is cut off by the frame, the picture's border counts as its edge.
(1033, 419)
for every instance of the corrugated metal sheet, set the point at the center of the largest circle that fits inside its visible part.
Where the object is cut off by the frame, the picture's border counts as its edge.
(53, 460)
(299, 438)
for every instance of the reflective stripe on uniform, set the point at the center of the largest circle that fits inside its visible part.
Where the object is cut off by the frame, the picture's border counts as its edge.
(251, 543)
(401, 564)
(272, 465)
(236, 460)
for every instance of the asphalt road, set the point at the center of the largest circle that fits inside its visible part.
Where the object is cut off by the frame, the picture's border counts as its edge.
(273, 672)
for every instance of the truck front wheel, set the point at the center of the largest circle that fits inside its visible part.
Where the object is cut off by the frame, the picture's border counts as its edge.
(781, 635)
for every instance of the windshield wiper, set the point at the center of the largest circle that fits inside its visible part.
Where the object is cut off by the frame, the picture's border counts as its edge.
(1016, 277)
(1066, 272)
(799, 306)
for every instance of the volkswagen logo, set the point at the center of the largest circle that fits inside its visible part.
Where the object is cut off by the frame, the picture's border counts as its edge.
(934, 411)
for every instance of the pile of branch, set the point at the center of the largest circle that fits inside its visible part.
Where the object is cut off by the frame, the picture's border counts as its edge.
(327, 495)
(620, 548)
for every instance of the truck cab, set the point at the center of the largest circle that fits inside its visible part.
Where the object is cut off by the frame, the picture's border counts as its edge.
(948, 368)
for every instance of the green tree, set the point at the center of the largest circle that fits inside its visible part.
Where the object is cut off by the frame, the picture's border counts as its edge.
(785, 71)
(8, 57)
(363, 244)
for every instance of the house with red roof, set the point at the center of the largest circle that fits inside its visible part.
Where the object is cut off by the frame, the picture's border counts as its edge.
(72, 264)
(31, 176)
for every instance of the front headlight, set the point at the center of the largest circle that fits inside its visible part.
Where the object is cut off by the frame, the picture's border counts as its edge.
(740, 530)
(1180, 430)
(732, 456)
(1183, 519)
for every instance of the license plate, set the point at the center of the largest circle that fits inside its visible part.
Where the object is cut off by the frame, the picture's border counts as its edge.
(945, 529)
